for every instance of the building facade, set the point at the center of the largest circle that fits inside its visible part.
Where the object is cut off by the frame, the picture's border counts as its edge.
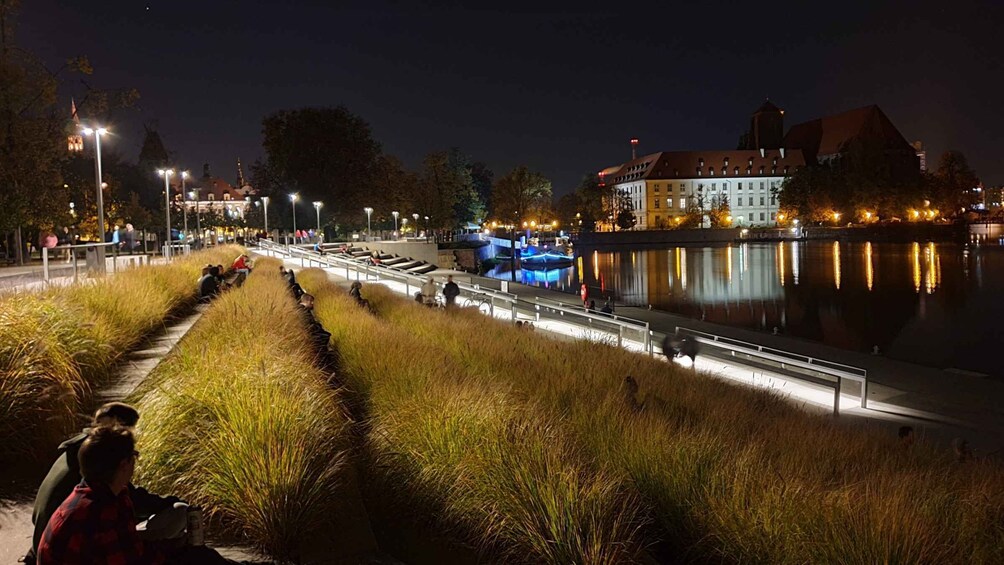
(665, 187)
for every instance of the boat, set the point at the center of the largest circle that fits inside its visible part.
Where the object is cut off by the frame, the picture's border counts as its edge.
(532, 258)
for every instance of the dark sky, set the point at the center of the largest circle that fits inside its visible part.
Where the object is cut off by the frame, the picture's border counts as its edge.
(561, 89)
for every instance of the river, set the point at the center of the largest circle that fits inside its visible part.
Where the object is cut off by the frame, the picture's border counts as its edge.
(938, 304)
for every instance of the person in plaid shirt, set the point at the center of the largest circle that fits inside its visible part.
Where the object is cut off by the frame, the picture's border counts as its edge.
(96, 523)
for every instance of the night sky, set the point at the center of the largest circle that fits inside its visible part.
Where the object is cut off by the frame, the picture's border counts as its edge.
(561, 89)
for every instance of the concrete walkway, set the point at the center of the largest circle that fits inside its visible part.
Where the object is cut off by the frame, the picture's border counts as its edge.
(940, 405)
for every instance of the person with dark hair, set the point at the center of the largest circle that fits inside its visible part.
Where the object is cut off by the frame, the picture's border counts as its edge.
(95, 524)
(356, 291)
(294, 286)
(162, 517)
(451, 291)
(690, 348)
(319, 336)
(209, 285)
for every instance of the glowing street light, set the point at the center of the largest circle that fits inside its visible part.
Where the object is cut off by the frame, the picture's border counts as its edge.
(395, 214)
(317, 207)
(369, 214)
(728, 220)
(836, 216)
(97, 133)
(292, 199)
(166, 173)
(184, 209)
(264, 200)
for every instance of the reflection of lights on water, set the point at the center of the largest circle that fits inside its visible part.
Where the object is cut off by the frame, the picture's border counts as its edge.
(683, 268)
(932, 278)
(915, 255)
(745, 252)
(869, 269)
(780, 262)
(836, 264)
(596, 265)
(728, 263)
(578, 264)
(794, 261)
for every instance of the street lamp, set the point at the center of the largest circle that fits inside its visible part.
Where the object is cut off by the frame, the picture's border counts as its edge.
(317, 207)
(427, 230)
(369, 212)
(292, 199)
(166, 173)
(197, 196)
(184, 210)
(404, 225)
(97, 133)
(264, 200)
(395, 214)
(415, 217)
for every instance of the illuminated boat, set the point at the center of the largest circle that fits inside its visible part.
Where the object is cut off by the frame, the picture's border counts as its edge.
(531, 258)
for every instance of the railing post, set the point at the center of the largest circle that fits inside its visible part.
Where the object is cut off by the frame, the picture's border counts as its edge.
(864, 392)
(45, 264)
(74, 251)
(836, 398)
(620, 335)
(514, 312)
(648, 340)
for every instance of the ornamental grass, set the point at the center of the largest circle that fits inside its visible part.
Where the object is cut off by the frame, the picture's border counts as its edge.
(728, 473)
(55, 345)
(485, 462)
(239, 420)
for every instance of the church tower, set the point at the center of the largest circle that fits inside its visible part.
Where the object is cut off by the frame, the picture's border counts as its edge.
(766, 127)
(74, 141)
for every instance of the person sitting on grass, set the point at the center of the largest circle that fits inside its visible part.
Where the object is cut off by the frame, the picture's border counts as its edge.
(294, 286)
(356, 291)
(319, 336)
(160, 517)
(242, 264)
(209, 285)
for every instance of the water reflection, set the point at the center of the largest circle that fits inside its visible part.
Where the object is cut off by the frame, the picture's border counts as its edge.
(929, 302)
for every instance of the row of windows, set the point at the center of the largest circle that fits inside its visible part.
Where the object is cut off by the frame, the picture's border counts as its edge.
(763, 217)
(714, 186)
(739, 202)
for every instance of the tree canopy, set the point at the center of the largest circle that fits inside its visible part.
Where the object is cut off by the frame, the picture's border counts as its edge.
(521, 193)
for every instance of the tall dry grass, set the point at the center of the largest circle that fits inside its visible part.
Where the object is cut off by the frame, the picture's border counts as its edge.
(239, 420)
(730, 472)
(56, 344)
(493, 467)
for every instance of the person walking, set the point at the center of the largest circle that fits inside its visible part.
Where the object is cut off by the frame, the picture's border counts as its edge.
(451, 291)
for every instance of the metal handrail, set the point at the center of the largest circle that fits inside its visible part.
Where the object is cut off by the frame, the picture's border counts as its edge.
(828, 369)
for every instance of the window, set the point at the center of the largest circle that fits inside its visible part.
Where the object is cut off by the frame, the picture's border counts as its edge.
(751, 203)
(761, 169)
(700, 162)
(714, 187)
(683, 204)
(657, 188)
(762, 218)
(773, 200)
(212, 197)
(669, 203)
(700, 187)
(773, 216)
(751, 216)
(761, 185)
(740, 186)
(737, 170)
(656, 203)
(682, 187)
(711, 171)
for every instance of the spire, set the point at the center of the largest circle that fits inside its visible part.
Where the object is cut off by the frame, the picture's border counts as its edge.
(240, 175)
(74, 141)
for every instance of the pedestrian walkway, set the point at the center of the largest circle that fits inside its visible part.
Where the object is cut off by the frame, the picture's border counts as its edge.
(940, 405)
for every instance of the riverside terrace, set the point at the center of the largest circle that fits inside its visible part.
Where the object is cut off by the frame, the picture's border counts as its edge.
(898, 393)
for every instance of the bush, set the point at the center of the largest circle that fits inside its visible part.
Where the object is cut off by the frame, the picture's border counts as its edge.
(55, 345)
(239, 420)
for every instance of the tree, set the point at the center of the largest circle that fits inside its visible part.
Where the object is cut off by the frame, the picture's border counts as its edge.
(325, 154)
(520, 194)
(720, 214)
(440, 182)
(953, 183)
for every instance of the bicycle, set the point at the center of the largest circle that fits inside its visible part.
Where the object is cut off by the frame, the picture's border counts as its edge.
(482, 302)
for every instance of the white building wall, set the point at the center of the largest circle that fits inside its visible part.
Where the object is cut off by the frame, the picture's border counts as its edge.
(754, 204)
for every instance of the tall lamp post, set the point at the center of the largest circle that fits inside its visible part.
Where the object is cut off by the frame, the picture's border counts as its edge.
(197, 196)
(264, 200)
(292, 199)
(415, 217)
(184, 210)
(369, 212)
(395, 214)
(317, 208)
(166, 173)
(427, 230)
(97, 133)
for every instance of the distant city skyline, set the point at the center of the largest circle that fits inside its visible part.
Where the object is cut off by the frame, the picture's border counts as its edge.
(562, 91)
